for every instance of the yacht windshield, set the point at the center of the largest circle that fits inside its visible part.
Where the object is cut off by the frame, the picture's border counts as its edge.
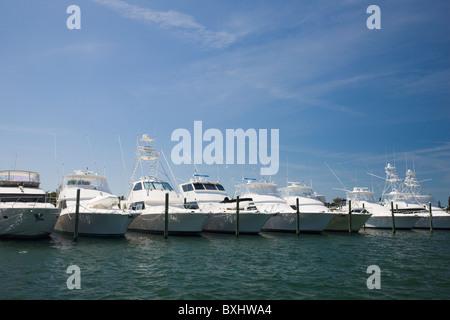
(361, 196)
(157, 185)
(297, 192)
(87, 182)
(259, 188)
(198, 186)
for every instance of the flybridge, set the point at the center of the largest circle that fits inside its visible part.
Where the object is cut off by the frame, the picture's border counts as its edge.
(213, 153)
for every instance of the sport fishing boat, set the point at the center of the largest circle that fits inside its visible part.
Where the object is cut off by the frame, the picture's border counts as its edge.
(147, 195)
(413, 194)
(99, 212)
(211, 197)
(266, 198)
(309, 203)
(363, 200)
(25, 211)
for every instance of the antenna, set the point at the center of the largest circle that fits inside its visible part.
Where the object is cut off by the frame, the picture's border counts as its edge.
(123, 160)
(92, 154)
(374, 175)
(336, 176)
(56, 157)
(14, 162)
(287, 171)
(310, 174)
(171, 172)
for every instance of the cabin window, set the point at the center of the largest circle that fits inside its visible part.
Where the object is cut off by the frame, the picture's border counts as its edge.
(149, 186)
(9, 197)
(138, 186)
(63, 204)
(198, 186)
(158, 186)
(167, 186)
(210, 186)
(187, 187)
(220, 187)
(138, 206)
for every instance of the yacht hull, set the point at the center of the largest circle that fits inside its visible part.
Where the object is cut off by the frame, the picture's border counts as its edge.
(340, 222)
(225, 222)
(405, 222)
(27, 222)
(179, 223)
(287, 222)
(106, 223)
(439, 221)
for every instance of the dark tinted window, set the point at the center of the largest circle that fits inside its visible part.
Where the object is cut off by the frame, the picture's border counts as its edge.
(199, 186)
(138, 186)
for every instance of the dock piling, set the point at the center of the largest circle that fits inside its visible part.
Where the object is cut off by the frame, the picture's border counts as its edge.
(431, 218)
(237, 216)
(166, 216)
(77, 216)
(393, 218)
(350, 216)
(297, 227)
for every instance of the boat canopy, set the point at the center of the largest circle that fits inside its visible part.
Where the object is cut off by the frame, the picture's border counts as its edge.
(297, 190)
(13, 178)
(86, 180)
(258, 188)
(361, 194)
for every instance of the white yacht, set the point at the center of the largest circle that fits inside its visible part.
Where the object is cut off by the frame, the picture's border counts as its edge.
(395, 192)
(362, 199)
(99, 212)
(24, 208)
(308, 202)
(147, 197)
(413, 192)
(211, 197)
(266, 198)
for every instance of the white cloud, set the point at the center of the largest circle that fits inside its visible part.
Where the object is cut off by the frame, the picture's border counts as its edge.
(182, 24)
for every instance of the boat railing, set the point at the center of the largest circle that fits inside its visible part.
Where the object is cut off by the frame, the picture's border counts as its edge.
(32, 200)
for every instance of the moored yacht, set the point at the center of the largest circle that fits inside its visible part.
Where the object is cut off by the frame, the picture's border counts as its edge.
(25, 211)
(413, 192)
(266, 198)
(147, 197)
(99, 213)
(363, 200)
(211, 197)
(308, 202)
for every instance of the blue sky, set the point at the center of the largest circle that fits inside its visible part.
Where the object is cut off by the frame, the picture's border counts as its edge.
(341, 95)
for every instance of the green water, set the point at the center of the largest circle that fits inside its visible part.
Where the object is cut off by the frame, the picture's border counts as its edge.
(269, 266)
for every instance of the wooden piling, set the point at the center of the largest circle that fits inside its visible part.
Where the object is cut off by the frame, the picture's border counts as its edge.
(363, 210)
(166, 216)
(77, 216)
(393, 218)
(237, 216)
(350, 216)
(431, 218)
(297, 227)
